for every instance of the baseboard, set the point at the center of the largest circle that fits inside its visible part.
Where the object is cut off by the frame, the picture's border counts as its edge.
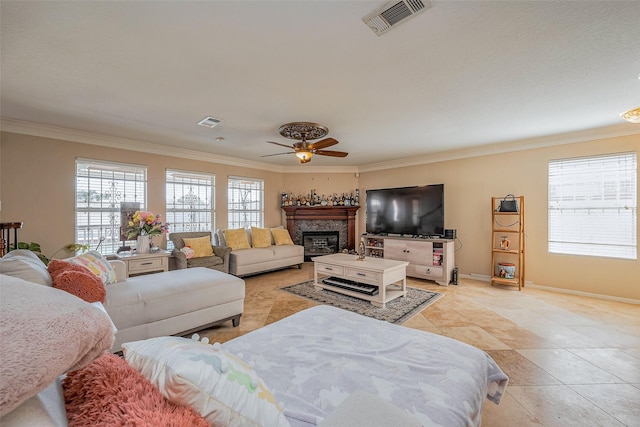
(584, 294)
(487, 278)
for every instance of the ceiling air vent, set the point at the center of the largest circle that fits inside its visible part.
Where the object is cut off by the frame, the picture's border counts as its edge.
(393, 13)
(209, 122)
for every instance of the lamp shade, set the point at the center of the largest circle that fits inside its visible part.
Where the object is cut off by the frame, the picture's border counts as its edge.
(304, 155)
(632, 115)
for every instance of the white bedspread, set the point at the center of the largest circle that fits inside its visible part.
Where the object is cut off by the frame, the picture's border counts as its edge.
(314, 359)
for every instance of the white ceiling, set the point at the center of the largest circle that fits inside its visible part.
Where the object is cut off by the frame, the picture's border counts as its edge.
(461, 75)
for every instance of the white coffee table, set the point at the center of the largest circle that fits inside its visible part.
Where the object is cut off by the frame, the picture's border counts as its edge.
(389, 276)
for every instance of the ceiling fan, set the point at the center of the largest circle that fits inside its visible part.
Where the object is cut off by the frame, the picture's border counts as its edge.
(304, 132)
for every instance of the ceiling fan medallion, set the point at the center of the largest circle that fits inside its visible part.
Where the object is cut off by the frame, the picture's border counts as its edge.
(303, 132)
(307, 131)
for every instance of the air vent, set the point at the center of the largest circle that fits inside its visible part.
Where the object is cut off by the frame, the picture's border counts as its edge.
(393, 13)
(209, 122)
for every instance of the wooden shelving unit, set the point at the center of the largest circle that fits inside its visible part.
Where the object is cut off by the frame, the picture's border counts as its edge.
(507, 226)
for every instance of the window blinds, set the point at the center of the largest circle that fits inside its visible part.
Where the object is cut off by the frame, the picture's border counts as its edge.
(593, 206)
(100, 189)
(245, 202)
(190, 201)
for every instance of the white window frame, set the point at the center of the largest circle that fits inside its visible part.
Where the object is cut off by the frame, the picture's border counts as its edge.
(593, 206)
(97, 221)
(245, 202)
(198, 186)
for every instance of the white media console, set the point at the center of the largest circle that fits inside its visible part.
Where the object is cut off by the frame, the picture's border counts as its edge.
(431, 259)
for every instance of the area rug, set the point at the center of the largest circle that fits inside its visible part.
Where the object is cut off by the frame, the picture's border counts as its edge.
(396, 311)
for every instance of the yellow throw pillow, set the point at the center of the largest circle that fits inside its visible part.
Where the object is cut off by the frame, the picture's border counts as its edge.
(237, 239)
(281, 236)
(261, 237)
(201, 246)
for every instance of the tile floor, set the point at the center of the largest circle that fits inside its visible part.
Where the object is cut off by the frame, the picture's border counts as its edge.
(571, 360)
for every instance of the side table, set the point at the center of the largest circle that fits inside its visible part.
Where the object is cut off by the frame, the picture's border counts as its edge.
(138, 264)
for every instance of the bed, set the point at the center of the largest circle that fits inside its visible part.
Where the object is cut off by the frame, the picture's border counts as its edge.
(314, 359)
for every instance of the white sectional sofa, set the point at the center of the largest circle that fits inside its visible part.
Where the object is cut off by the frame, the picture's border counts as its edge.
(172, 303)
(175, 302)
(244, 262)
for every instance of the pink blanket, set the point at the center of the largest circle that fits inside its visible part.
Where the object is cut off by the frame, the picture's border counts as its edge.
(44, 332)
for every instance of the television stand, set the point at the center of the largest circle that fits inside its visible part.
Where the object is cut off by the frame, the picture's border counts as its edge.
(428, 258)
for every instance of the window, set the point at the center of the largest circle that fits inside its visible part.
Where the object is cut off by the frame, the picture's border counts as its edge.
(190, 201)
(100, 189)
(245, 202)
(593, 206)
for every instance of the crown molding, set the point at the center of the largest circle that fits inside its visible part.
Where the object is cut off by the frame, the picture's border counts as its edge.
(320, 169)
(83, 137)
(622, 129)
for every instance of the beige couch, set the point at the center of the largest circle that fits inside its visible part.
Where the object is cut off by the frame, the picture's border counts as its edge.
(170, 303)
(175, 302)
(244, 262)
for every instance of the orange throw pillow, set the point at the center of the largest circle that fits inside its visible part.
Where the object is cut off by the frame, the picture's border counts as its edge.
(77, 280)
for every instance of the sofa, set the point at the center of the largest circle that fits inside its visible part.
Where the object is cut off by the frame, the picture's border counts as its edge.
(257, 250)
(175, 302)
(219, 260)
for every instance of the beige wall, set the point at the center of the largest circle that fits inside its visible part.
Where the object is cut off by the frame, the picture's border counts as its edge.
(469, 185)
(37, 187)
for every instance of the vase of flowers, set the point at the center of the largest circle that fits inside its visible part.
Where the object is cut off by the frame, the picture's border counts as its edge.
(142, 226)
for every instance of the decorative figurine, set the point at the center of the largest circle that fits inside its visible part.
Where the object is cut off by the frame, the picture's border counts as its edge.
(361, 251)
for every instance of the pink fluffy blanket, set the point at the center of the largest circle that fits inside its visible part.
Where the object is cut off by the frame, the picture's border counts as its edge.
(44, 332)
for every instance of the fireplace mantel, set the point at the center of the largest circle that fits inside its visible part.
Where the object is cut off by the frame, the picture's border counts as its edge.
(306, 213)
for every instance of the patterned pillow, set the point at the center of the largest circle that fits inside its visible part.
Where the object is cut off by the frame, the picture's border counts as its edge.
(281, 236)
(201, 246)
(96, 263)
(236, 238)
(223, 388)
(261, 237)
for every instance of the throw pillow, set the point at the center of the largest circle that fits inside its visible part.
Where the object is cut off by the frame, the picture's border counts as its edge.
(45, 332)
(219, 238)
(223, 388)
(25, 265)
(188, 252)
(261, 237)
(109, 392)
(201, 246)
(77, 280)
(281, 236)
(96, 263)
(237, 239)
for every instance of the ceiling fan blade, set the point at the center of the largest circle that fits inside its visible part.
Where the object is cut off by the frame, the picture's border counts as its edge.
(278, 154)
(331, 153)
(323, 143)
(282, 145)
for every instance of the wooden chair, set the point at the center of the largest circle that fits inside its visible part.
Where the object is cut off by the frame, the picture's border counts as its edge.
(5, 236)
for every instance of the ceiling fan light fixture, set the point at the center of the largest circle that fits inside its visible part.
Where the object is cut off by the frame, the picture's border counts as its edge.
(632, 115)
(304, 156)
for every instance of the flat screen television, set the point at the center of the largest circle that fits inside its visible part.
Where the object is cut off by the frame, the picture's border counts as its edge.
(416, 211)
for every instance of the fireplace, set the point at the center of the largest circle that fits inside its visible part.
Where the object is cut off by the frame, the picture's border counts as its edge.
(318, 243)
(341, 219)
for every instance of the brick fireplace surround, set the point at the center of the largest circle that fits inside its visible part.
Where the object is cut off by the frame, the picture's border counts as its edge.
(323, 218)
